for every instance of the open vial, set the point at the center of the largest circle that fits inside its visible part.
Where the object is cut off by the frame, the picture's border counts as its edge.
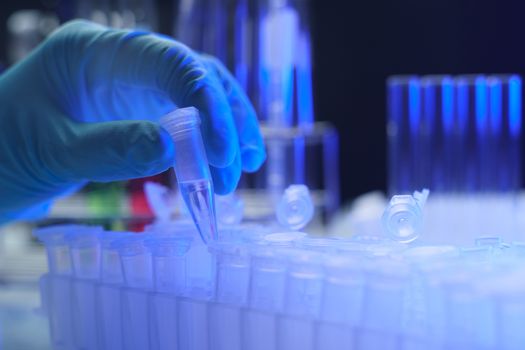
(295, 209)
(403, 217)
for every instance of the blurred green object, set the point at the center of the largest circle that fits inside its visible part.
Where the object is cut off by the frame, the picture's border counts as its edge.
(107, 200)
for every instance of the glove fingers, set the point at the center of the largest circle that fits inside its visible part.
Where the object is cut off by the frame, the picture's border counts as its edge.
(161, 64)
(110, 151)
(250, 138)
(179, 72)
(225, 180)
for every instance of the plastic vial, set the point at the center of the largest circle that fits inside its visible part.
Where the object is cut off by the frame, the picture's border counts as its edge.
(169, 262)
(161, 200)
(84, 247)
(110, 265)
(403, 217)
(230, 209)
(295, 208)
(55, 240)
(136, 261)
(192, 169)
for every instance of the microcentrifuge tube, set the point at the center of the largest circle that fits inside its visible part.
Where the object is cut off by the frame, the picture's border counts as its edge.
(295, 208)
(403, 217)
(192, 169)
(230, 209)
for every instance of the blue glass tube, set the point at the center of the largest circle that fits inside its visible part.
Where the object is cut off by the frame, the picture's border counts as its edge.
(437, 132)
(403, 125)
(472, 144)
(505, 131)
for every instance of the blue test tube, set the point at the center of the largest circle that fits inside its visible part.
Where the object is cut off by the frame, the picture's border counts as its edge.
(505, 131)
(403, 127)
(437, 133)
(474, 159)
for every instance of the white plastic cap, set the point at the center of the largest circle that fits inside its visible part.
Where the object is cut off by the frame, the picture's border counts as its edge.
(403, 217)
(230, 209)
(295, 209)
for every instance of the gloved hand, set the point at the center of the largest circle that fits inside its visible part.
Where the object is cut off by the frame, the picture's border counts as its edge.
(82, 108)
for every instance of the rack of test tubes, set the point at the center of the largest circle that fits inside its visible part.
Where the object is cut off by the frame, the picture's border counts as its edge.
(258, 288)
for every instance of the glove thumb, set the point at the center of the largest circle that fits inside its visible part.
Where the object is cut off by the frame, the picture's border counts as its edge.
(110, 151)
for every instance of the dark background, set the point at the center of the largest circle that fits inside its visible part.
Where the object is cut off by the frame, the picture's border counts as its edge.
(357, 44)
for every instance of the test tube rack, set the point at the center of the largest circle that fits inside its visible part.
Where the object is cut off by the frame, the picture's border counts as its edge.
(254, 289)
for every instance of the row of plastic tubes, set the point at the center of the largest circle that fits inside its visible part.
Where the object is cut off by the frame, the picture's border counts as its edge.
(254, 290)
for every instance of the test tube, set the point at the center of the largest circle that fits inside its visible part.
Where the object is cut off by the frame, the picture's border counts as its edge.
(302, 301)
(169, 262)
(342, 300)
(169, 274)
(437, 133)
(505, 131)
(473, 151)
(161, 200)
(232, 272)
(109, 297)
(192, 169)
(138, 281)
(55, 241)
(403, 217)
(266, 294)
(84, 248)
(136, 261)
(59, 289)
(295, 208)
(110, 266)
(404, 117)
(386, 285)
(231, 293)
(230, 209)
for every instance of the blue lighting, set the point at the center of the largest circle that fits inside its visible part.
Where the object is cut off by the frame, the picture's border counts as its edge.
(462, 105)
(414, 104)
(515, 105)
(304, 83)
(495, 106)
(429, 104)
(481, 104)
(448, 104)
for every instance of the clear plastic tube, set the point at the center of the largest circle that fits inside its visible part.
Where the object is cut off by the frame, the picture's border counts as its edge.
(84, 248)
(192, 169)
(295, 209)
(55, 239)
(232, 272)
(403, 217)
(230, 209)
(136, 261)
(110, 266)
(169, 262)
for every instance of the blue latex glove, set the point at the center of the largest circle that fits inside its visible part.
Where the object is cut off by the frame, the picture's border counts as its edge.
(82, 108)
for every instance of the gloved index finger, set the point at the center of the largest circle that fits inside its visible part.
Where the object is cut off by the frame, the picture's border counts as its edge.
(146, 60)
(249, 133)
(181, 74)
